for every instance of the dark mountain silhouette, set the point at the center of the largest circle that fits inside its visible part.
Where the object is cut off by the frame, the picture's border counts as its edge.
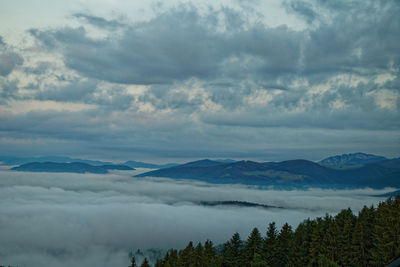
(75, 167)
(292, 173)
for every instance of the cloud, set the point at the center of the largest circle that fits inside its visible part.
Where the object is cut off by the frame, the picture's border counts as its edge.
(99, 21)
(96, 220)
(177, 45)
(9, 59)
(196, 82)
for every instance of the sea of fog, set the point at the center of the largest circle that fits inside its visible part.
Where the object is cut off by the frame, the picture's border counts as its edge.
(63, 219)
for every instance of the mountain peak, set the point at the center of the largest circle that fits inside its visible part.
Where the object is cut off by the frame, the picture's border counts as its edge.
(351, 160)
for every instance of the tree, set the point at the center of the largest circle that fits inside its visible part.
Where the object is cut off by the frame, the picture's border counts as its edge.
(197, 257)
(362, 239)
(387, 232)
(270, 245)
(232, 251)
(209, 254)
(133, 262)
(284, 241)
(145, 263)
(185, 256)
(253, 246)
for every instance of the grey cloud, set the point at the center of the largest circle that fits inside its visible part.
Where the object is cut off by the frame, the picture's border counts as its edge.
(9, 59)
(359, 35)
(73, 92)
(177, 45)
(304, 9)
(99, 21)
(9, 90)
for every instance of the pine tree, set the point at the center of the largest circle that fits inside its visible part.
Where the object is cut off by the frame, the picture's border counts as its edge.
(145, 263)
(253, 246)
(185, 256)
(316, 240)
(209, 254)
(270, 246)
(197, 257)
(344, 224)
(133, 262)
(387, 232)
(284, 241)
(362, 239)
(301, 243)
(232, 255)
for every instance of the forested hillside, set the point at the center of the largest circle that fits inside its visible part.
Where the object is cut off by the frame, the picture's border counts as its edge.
(371, 238)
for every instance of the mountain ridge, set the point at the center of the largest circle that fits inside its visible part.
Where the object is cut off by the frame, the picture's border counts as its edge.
(73, 167)
(293, 173)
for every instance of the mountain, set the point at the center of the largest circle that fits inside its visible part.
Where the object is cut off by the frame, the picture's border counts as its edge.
(350, 160)
(6, 160)
(292, 173)
(139, 164)
(75, 167)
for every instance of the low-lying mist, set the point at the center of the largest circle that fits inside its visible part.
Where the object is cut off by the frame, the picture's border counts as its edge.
(63, 219)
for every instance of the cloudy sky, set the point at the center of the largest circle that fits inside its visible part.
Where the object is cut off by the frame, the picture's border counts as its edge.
(172, 80)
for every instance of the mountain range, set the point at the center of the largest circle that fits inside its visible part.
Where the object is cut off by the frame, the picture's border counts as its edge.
(350, 160)
(75, 167)
(292, 173)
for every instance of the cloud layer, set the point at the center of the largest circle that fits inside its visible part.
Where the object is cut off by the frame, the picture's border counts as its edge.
(96, 220)
(192, 76)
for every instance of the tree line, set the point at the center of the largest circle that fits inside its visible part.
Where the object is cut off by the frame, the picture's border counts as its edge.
(371, 238)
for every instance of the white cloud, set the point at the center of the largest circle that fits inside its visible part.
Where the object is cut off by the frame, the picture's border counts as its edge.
(73, 219)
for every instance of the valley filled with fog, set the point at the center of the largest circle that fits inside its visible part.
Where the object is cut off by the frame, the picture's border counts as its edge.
(65, 219)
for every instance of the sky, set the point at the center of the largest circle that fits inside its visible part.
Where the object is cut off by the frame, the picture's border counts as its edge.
(64, 219)
(174, 80)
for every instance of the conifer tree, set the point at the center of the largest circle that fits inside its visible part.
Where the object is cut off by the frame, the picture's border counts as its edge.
(316, 240)
(185, 256)
(232, 255)
(387, 232)
(209, 254)
(270, 245)
(362, 239)
(344, 227)
(145, 263)
(197, 257)
(284, 242)
(133, 262)
(253, 246)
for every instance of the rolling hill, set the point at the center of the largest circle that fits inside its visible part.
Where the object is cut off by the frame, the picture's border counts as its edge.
(292, 173)
(75, 167)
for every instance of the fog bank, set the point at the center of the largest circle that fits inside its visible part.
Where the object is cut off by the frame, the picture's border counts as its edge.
(63, 219)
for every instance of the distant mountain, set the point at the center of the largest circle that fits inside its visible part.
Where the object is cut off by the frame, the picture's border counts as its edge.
(292, 173)
(139, 164)
(6, 160)
(351, 160)
(75, 167)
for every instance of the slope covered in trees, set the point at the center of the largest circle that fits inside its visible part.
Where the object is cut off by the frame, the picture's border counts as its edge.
(371, 238)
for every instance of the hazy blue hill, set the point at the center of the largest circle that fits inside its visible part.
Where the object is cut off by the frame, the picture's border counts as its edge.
(200, 163)
(139, 164)
(293, 173)
(351, 160)
(75, 167)
(6, 160)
